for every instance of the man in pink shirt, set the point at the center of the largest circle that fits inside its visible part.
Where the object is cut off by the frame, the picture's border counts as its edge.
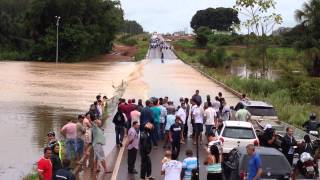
(70, 132)
(135, 115)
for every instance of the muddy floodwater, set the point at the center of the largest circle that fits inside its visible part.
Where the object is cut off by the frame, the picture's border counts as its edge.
(39, 97)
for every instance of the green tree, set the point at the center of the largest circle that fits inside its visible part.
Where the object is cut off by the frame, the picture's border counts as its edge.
(202, 35)
(260, 20)
(132, 27)
(221, 19)
(309, 18)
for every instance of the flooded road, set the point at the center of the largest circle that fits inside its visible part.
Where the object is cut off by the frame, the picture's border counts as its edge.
(39, 97)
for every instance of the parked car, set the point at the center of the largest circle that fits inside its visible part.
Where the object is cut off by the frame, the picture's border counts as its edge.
(274, 164)
(235, 134)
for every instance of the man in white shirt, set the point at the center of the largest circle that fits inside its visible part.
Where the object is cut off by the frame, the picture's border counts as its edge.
(210, 117)
(198, 120)
(172, 169)
(182, 114)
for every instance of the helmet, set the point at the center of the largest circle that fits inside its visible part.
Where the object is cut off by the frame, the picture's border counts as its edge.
(312, 116)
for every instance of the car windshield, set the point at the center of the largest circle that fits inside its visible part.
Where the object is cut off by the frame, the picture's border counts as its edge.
(238, 133)
(261, 111)
(270, 163)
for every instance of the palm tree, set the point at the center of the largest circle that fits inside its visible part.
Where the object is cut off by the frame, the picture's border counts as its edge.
(309, 17)
(309, 13)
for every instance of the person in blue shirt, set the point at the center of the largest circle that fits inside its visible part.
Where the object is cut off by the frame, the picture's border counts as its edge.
(146, 115)
(170, 121)
(156, 113)
(254, 166)
(188, 164)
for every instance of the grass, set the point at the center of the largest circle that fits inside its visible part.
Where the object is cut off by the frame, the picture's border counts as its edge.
(31, 176)
(288, 109)
(13, 55)
(141, 41)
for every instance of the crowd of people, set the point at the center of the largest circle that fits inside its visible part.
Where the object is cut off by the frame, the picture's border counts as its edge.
(80, 136)
(160, 121)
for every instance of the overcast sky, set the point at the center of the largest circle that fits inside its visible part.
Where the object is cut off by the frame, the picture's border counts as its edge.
(175, 15)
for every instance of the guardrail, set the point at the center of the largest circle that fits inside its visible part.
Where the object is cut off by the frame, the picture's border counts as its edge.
(298, 132)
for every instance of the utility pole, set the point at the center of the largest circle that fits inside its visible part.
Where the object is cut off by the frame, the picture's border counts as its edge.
(57, 43)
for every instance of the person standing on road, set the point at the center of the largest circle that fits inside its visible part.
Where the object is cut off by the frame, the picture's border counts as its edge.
(210, 117)
(188, 164)
(45, 165)
(135, 114)
(162, 57)
(133, 146)
(156, 113)
(170, 121)
(140, 105)
(119, 121)
(55, 160)
(163, 118)
(185, 131)
(213, 163)
(216, 105)
(182, 114)
(198, 119)
(226, 111)
(197, 98)
(70, 132)
(255, 165)
(175, 136)
(288, 145)
(99, 140)
(242, 114)
(145, 146)
(80, 138)
(146, 115)
(172, 169)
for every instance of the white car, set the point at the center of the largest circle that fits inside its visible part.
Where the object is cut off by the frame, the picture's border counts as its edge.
(237, 134)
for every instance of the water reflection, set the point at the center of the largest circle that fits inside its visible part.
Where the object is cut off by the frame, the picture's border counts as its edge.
(39, 97)
(246, 72)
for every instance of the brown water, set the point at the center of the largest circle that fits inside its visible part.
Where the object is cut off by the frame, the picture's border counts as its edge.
(39, 97)
(245, 72)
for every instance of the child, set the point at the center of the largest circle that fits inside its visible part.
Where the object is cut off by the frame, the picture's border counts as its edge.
(167, 157)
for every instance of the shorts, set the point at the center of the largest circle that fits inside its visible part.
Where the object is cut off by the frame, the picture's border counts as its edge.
(80, 146)
(198, 127)
(88, 136)
(209, 129)
(98, 152)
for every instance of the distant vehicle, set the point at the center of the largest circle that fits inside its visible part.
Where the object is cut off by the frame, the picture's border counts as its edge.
(274, 164)
(237, 134)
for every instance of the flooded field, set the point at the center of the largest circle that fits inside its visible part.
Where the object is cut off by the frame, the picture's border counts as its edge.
(39, 97)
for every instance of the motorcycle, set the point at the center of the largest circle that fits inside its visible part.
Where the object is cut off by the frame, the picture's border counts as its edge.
(307, 166)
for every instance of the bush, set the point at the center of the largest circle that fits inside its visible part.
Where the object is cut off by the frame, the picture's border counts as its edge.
(202, 36)
(214, 57)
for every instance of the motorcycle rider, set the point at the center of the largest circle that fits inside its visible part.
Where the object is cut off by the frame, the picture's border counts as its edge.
(312, 124)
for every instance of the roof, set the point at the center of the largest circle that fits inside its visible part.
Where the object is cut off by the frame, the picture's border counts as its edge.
(261, 150)
(256, 103)
(238, 124)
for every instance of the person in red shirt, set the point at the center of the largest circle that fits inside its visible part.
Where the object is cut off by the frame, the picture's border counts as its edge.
(45, 166)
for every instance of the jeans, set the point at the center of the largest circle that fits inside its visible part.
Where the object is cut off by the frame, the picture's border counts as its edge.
(155, 134)
(119, 134)
(209, 129)
(145, 166)
(71, 145)
(80, 146)
(176, 147)
(132, 156)
(161, 134)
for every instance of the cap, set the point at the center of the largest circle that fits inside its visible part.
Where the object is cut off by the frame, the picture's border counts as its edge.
(51, 133)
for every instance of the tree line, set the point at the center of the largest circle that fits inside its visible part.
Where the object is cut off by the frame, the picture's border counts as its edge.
(87, 27)
(260, 19)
